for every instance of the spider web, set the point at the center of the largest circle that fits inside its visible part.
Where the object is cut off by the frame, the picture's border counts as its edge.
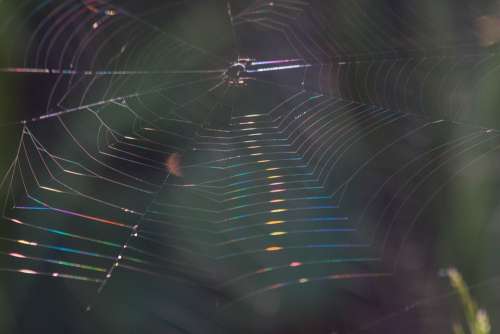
(143, 164)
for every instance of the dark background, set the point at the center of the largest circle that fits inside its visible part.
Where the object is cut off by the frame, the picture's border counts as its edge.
(458, 226)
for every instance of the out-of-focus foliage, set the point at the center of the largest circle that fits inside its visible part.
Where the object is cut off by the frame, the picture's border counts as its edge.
(477, 319)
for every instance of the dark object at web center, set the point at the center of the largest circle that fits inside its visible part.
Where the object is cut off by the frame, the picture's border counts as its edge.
(235, 72)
